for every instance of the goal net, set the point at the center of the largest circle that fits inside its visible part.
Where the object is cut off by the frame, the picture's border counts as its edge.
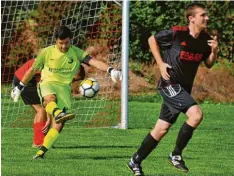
(28, 26)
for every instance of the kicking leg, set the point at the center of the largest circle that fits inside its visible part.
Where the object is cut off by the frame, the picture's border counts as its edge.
(52, 108)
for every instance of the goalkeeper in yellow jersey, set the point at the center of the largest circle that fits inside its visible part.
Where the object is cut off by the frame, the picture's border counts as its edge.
(58, 64)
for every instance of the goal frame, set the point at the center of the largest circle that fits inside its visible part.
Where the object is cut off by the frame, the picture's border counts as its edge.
(124, 50)
(124, 64)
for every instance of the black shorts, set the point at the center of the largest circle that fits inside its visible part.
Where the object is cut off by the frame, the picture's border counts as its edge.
(173, 105)
(29, 94)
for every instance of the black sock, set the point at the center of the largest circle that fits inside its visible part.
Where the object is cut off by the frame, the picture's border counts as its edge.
(44, 149)
(147, 146)
(183, 138)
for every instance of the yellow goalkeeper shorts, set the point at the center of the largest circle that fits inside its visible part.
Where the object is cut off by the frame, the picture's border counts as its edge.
(62, 92)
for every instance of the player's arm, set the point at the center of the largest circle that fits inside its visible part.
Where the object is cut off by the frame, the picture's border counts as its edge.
(86, 58)
(209, 62)
(156, 53)
(28, 75)
(15, 93)
(114, 73)
(37, 65)
(98, 64)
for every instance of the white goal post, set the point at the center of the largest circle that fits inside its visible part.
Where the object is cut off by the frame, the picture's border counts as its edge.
(100, 27)
(124, 59)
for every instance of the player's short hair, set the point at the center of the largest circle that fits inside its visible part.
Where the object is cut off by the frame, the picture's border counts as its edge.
(62, 32)
(189, 10)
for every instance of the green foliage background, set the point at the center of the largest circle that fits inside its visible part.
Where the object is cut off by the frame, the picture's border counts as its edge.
(150, 17)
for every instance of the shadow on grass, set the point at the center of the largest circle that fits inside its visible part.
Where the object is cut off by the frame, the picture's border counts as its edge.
(82, 156)
(91, 146)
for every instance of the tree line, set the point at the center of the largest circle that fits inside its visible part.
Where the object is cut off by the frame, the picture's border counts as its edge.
(150, 17)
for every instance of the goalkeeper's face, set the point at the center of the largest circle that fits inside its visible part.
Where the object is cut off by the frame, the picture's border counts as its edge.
(63, 44)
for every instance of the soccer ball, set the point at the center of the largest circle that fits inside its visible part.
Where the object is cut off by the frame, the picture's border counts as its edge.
(89, 87)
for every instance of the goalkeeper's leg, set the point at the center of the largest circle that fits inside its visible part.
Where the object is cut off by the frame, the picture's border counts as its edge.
(56, 98)
(49, 139)
(58, 114)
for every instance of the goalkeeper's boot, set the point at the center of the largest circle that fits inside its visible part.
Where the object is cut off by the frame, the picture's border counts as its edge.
(40, 155)
(177, 162)
(63, 116)
(135, 168)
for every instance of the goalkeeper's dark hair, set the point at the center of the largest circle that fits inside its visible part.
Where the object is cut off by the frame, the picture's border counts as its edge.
(62, 32)
(189, 10)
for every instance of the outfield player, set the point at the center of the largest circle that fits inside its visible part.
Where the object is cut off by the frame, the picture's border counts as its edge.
(58, 64)
(30, 97)
(185, 47)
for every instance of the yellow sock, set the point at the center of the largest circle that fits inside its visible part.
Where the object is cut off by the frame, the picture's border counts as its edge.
(40, 152)
(50, 108)
(50, 138)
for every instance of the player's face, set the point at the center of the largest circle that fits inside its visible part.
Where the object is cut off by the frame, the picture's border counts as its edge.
(200, 19)
(63, 45)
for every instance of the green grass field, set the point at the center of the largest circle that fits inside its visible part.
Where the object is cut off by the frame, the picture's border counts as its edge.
(105, 151)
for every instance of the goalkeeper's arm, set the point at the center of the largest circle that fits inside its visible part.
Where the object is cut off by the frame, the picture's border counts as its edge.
(115, 74)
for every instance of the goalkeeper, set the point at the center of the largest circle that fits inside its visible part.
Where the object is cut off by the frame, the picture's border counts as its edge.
(30, 97)
(58, 64)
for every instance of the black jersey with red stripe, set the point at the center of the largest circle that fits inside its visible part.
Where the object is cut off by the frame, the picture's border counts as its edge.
(184, 53)
(22, 70)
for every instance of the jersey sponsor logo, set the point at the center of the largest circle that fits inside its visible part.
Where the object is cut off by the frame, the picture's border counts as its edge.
(60, 70)
(70, 60)
(180, 28)
(183, 43)
(186, 55)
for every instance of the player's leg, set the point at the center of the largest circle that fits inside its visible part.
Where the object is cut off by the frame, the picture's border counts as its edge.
(39, 123)
(151, 141)
(49, 139)
(194, 115)
(62, 102)
(147, 146)
(30, 97)
(178, 100)
(56, 99)
(60, 114)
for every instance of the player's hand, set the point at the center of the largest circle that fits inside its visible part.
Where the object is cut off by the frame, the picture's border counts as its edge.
(213, 44)
(116, 75)
(15, 93)
(164, 70)
(45, 129)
